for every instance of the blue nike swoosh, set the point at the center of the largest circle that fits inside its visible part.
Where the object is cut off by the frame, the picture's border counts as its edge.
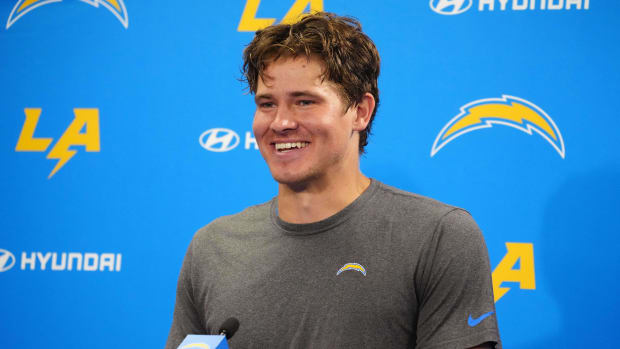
(474, 322)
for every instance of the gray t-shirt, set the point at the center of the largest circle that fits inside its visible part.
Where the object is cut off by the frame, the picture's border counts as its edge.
(391, 270)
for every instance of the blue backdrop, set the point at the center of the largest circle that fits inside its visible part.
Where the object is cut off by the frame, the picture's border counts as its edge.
(124, 129)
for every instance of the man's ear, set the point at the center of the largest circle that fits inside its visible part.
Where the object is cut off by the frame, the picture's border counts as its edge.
(363, 111)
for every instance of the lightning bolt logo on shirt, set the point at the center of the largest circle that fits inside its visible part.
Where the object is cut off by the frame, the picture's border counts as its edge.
(22, 7)
(352, 266)
(508, 111)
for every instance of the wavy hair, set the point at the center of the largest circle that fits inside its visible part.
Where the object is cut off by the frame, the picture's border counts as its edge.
(350, 57)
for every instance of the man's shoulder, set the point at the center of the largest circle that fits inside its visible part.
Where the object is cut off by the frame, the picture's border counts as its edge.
(428, 217)
(242, 222)
(403, 202)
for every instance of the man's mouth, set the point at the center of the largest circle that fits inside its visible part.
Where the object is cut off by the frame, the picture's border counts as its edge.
(286, 147)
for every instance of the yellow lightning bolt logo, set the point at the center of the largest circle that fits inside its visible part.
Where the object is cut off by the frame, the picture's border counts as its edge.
(85, 119)
(22, 7)
(508, 111)
(352, 266)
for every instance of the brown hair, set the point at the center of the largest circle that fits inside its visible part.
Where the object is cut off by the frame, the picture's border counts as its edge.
(351, 59)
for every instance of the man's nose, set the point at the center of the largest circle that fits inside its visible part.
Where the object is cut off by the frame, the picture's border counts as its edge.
(284, 120)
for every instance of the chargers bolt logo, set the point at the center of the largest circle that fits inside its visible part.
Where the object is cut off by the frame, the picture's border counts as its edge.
(117, 7)
(508, 111)
(352, 266)
(7, 260)
(219, 139)
(450, 7)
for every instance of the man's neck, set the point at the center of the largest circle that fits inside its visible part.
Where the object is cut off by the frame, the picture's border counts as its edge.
(321, 198)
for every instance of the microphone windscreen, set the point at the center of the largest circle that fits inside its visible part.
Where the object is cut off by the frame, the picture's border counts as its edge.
(229, 327)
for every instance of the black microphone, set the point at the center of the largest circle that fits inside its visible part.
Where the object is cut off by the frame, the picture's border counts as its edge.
(229, 327)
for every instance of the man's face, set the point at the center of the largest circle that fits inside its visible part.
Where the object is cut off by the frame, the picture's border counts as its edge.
(301, 126)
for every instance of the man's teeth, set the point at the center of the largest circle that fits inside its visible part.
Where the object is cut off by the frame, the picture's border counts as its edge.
(285, 146)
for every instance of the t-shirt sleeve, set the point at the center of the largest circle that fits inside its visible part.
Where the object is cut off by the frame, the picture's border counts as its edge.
(456, 306)
(186, 319)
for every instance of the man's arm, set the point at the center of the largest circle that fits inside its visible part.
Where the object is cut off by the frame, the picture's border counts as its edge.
(456, 306)
(186, 319)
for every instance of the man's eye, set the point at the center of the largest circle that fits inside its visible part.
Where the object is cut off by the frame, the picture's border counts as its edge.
(266, 105)
(305, 102)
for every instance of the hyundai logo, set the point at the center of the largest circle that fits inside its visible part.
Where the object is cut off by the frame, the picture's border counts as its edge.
(450, 7)
(219, 139)
(6, 260)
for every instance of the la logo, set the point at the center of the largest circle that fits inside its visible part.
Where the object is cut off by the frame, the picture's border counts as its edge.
(85, 119)
(517, 254)
(250, 23)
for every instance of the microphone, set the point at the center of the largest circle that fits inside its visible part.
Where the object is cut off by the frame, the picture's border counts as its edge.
(227, 330)
(229, 327)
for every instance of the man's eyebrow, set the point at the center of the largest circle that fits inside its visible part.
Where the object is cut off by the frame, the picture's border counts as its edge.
(291, 94)
(263, 96)
(302, 94)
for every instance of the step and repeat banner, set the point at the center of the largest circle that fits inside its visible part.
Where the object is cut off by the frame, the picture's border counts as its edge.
(125, 128)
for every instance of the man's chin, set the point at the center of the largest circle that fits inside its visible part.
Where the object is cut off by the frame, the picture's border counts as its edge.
(296, 181)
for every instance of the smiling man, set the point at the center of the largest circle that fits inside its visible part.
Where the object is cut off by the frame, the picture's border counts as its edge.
(309, 138)
(336, 260)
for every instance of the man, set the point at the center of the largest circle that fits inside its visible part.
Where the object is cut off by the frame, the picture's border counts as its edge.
(336, 260)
